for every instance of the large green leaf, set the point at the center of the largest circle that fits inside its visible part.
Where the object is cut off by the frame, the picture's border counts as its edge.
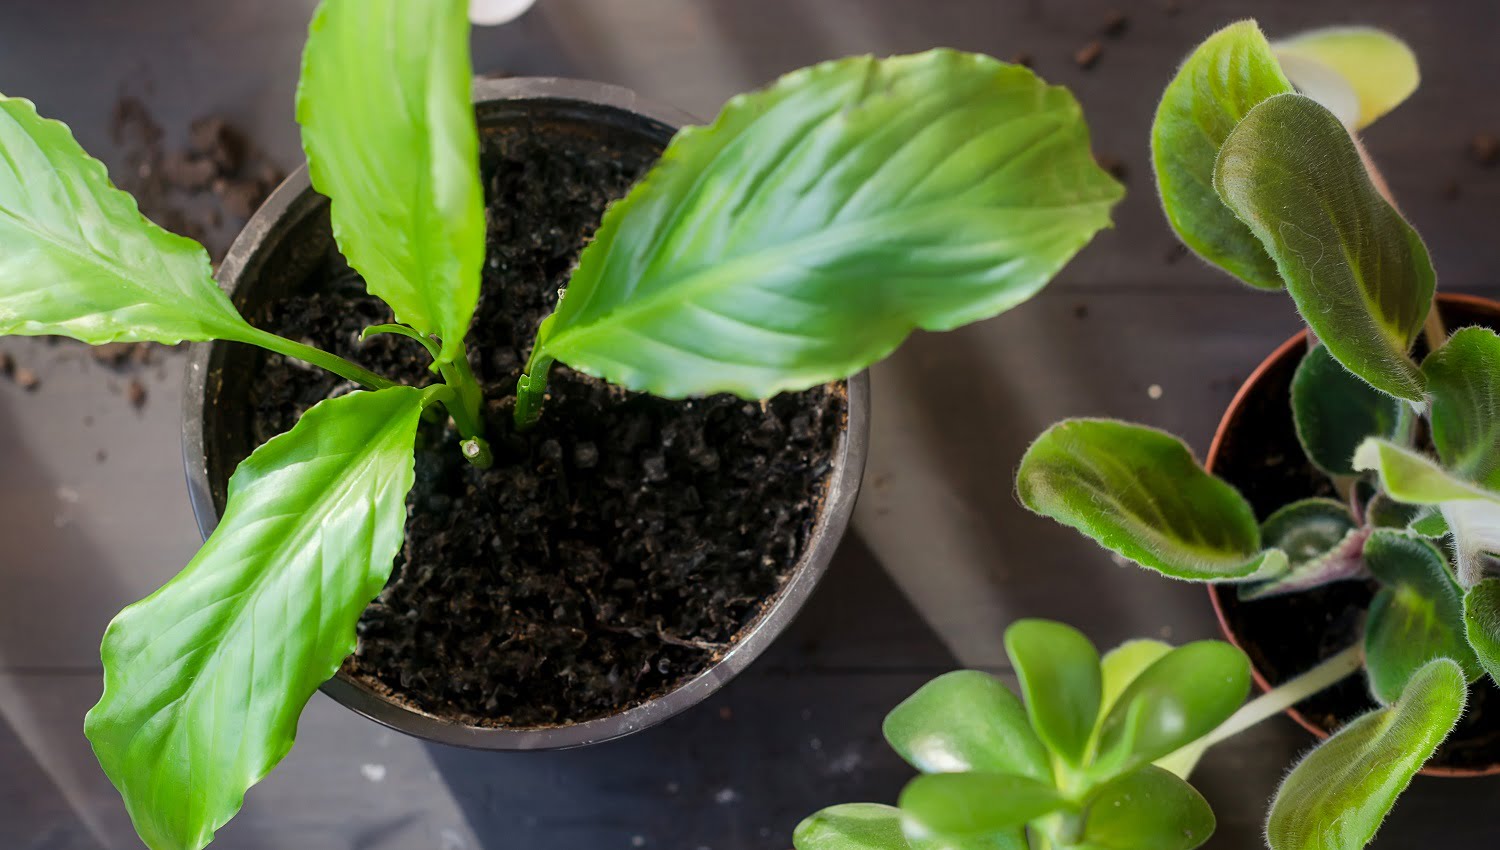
(204, 679)
(1139, 492)
(1058, 668)
(1482, 624)
(1218, 84)
(390, 136)
(1334, 411)
(967, 805)
(1336, 798)
(1182, 697)
(1359, 273)
(870, 826)
(1417, 615)
(77, 258)
(1464, 379)
(1121, 665)
(819, 221)
(1321, 542)
(967, 721)
(1377, 69)
(1146, 809)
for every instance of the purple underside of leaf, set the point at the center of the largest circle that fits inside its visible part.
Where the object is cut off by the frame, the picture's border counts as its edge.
(1341, 563)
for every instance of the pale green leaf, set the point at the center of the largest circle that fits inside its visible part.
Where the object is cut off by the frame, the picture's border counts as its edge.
(1336, 798)
(1464, 379)
(968, 805)
(1058, 668)
(204, 679)
(1216, 87)
(1334, 412)
(1321, 542)
(390, 136)
(1377, 68)
(1417, 615)
(967, 721)
(1146, 809)
(816, 223)
(851, 826)
(1185, 695)
(1482, 624)
(1121, 665)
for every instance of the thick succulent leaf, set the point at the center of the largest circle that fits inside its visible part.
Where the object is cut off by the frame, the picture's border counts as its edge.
(1336, 798)
(1359, 273)
(390, 136)
(1058, 668)
(1378, 69)
(817, 222)
(1179, 699)
(1146, 809)
(1121, 665)
(1464, 379)
(968, 805)
(1215, 88)
(1140, 493)
(852, 826)
(1417, 615)
(204, 679)
(1321, 542)
(1335, 411)
(967, 721)
(1482, 624)
(77, 258)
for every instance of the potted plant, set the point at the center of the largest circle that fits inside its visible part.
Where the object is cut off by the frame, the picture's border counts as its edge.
(707, 330)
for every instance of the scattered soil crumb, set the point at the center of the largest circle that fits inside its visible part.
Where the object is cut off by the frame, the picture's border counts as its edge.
(1176, 253)
(1024, 59)
(1087, 56)
(26, 379)
(726, 713)
(101, 456)
(1080, 311)
(135, 391)
(1154, 392)
(7, 364)
(1452, 190)
(1116, 24)
(1484, 148)
(1115, 166)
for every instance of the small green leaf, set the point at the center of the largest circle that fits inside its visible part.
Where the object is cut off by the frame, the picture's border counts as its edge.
(1336, 798)
(852, 826)
(1123, 664)
(204, 679)
(1321, 542)
(77, 258)
(1359, 273)
(1139, 492)
(1417, 615)
(1384, 512)
(1335, 411)
(968, 805)
(1482, 624)
(1379, 70)
(1059, 673)
(389, 131)
(1464, 379)
(818, 222)
(1147, 809)
(1179, 699)
(967, 721)
(1215, 88)
(1429, 522)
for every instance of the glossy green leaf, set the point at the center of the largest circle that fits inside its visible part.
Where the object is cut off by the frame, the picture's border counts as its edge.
(1058, 668)
(77, 258)
(965, 805)
(1179, 699)
(204, 679)
(1121, 665)
(1358, 272)
(1139, 492)
(1482, 624)
(390, 136)
(1335, 411)
(1147, 809)
(1321, 542)
(1336, 798)
(1377, 68)
(1417, 615)
(852, 826)
(1215, 88)
(967, 721)
(1464, 379)
(817, 222)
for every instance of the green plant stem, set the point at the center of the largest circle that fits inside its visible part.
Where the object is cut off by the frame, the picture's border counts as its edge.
(460, 377)
(473, 447)
(318, 357)
(1433, 329)
(531, 389)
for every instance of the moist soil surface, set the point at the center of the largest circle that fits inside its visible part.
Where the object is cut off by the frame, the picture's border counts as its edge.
(613, 551)
(1290, 634)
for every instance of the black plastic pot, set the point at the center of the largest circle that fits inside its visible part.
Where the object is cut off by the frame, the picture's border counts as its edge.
(275, 255)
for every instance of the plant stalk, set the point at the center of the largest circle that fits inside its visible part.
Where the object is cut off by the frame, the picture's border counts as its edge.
(531, 390)
(317, 357)
(1288, 694)
(460, 377)
(1433, 329)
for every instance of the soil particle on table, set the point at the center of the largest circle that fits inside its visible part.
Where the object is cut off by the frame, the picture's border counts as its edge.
(613, 551)
(1087, 56)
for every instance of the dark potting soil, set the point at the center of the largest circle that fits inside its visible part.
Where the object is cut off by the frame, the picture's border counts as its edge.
(1290, 634)
(613, 551)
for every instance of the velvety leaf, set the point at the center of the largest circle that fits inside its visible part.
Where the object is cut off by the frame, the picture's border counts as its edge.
(1482, 624)
(1464, 379)
(1378, 68)
(1417, 615)
(817, 222)
(1321, 542)
(852, 826)
(1384, 512)
(1059, 673)
(1336, 798)
(389, 131)
(77, 258)
(1215, 88)
(967, 721)
(1147, 809)
(204, 679)
(1335, 411)
(1429, 522)
(964, 805)
(1139, 492)
(1360, 275)
(1179, 699)
(1121, 665)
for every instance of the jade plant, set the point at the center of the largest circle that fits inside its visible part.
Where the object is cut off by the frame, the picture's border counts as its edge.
(797, 239)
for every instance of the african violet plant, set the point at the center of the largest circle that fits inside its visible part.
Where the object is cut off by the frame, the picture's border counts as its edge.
(796, 240)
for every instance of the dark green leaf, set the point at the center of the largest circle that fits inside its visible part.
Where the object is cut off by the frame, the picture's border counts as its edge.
(1321, 542)
(1179, 699)
(852, 826)
(1218, 84)
(966, 805)
(1147, 809)
(1335, 411)
(1464, 379)
(1482, 624)
(390, 136)
(1360, 275)
(1336, 798)
(204, 679)
(967, 721)
(1417, 615)
(1059, 673)
(1377, 68)
(1384, 512)
(816, 223)
(1139, 492)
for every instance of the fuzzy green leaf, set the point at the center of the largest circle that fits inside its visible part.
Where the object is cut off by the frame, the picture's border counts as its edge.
(1146, 809)
(967, 721)
(1179, 699)
(389, 131)
(204, 679)
(1377, 69)
(1139, 492)
(1335, 411)
(817, 222)
(1336, 798)
(1482, 624)
(1358, 272)
(969, 805)
(1321, 542)
(1215, 88)
(1464, 379)
(1058, 668)
(77, 258)
(1417, 615)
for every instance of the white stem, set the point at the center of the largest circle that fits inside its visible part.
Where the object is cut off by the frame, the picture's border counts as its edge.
(1288, 694)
